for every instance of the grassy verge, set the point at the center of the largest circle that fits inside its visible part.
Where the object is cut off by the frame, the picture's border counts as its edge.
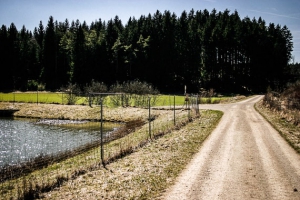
(289, 131)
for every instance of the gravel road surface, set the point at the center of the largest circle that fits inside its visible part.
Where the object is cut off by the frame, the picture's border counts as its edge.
(243, 158)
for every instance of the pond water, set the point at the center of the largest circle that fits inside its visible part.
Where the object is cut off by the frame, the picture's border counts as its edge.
(23, 140)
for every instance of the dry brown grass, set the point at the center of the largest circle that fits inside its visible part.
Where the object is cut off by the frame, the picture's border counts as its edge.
(282, 123)
(74, 112)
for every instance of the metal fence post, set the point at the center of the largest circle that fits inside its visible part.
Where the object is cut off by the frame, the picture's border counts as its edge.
(197, 106)
(14, 97)
(149, 117)
(174, 112)
(101, 131)
(101, 119)
(37, 96)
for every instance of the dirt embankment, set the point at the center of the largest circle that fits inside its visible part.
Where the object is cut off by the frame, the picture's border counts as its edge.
(76, 112)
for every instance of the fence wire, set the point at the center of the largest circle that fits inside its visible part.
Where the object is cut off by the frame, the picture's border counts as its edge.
(26, 177)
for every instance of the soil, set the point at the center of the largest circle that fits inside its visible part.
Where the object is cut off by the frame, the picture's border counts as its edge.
(243, 158)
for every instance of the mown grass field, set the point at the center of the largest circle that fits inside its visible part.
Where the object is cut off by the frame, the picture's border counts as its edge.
(59, 98)
(33, 97)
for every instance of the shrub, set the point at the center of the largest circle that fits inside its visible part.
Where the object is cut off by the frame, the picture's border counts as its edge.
(136, 92)
(292, 95)
(97, 88)
(32, 85)
(120, 100)
(72, 93)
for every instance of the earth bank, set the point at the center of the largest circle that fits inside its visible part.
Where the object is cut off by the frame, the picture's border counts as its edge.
(75, 112)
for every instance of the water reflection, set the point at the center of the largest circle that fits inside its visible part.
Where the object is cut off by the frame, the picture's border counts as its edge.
(24, 140)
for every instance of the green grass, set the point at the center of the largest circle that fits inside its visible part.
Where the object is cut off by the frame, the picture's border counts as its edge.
(168, 100)
(212, 100)
(36, 97)
(58, 98)
(32, 97)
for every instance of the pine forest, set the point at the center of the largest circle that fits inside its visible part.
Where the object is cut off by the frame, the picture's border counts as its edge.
(198, 49)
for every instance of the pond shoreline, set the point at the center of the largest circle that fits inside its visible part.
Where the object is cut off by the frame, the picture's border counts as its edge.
(59, 121)
(59, 115)
(43, 160)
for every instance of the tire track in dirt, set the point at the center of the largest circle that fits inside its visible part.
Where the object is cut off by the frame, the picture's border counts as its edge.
(243, 158)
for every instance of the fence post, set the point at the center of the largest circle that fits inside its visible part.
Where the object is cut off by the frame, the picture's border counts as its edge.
(174, 112)
(14, 97)
(37, 96)
(197, 106)
(101, 131)
(149, 118)
(189, 106)
(101, 120)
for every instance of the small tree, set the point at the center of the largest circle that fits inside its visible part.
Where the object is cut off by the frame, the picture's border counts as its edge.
(72, 93)
(136, 92)
(292, 95)
(95, 87)
(120, 100)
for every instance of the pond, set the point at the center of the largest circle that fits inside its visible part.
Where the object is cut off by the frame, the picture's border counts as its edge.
(22, 140)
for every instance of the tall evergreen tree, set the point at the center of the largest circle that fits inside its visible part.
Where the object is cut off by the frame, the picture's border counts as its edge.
(79, 56)
(50, 76)
(13, 57)
(6, 73)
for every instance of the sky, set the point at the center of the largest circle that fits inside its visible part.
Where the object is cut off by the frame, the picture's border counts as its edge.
(30, 12)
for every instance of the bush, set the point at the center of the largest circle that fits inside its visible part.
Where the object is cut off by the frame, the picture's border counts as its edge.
(72, 93)
(206, 96)
(120, 100)
(32, 85)
(287, 102)
(292, 95)
(95, 87)
(135, 92)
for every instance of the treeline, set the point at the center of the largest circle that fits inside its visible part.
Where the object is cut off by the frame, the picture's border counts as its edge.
(294, 73)
(199, 49)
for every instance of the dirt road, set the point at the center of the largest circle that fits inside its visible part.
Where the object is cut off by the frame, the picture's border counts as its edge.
(243, 158)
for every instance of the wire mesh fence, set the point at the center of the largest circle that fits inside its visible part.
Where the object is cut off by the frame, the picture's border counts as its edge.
(56, 151)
